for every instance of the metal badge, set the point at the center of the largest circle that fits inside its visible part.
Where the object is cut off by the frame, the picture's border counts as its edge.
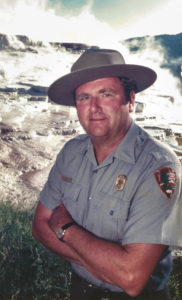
(120, 182)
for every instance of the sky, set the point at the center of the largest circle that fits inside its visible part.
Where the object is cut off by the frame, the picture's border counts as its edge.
(90, 21)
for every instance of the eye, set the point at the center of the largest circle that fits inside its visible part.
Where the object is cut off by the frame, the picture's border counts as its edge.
(82, 98)
(107, 95)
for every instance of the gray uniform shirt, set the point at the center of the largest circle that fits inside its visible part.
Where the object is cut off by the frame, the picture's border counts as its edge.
(133, 196)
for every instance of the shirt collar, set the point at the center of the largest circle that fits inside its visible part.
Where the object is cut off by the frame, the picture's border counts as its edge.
(126, 149)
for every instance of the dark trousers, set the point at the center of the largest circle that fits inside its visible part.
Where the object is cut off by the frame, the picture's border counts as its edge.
(82, 290)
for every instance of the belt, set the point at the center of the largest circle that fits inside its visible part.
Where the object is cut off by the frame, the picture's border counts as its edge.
(83, 290)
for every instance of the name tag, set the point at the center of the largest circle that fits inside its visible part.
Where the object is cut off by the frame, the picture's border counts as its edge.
(65, 178)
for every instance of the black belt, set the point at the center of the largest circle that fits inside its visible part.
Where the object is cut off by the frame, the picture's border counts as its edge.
(83, 290)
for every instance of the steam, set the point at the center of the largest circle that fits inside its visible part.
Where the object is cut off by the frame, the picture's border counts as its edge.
(152, 54)
(165, 20)
(46, 20)
(38, 20)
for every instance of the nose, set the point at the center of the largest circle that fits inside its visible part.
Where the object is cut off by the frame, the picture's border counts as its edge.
(95, 104)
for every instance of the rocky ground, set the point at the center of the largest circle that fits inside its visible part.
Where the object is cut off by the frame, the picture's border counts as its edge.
(31, 134)
(32, 131)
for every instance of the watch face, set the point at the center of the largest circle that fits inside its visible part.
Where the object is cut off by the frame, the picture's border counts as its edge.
(59, 233)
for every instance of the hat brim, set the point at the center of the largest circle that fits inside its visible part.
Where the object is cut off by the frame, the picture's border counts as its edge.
(62, 90)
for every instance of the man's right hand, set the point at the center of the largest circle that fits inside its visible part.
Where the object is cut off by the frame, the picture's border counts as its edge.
(59, 217)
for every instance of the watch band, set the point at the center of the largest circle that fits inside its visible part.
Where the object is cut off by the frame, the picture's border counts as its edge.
(61, 231)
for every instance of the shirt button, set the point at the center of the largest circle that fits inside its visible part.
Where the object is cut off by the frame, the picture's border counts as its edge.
(90, 198)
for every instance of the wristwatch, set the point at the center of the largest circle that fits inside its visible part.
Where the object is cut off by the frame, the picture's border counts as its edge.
(61, 231)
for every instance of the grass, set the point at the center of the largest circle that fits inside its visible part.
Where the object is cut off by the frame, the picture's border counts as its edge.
(175, 281)
(28, 271)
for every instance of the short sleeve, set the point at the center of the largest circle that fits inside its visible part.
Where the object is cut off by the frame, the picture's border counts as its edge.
(172, 230)
(51, 194)
(154, 216)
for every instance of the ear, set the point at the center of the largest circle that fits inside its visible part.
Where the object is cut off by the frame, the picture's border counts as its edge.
(132, 101)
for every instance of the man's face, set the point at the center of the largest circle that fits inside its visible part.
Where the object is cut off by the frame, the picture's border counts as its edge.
(102, 109)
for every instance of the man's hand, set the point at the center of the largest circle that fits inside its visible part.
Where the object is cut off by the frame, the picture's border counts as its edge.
(59, 217)
(44, 234)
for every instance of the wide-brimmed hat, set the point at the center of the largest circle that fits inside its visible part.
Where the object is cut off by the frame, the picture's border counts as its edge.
(94, 64)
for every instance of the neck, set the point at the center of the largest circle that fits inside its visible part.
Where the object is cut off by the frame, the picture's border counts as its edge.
(103, 151)
(103, 147)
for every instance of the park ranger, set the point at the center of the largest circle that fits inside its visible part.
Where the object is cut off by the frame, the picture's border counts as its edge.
(111, 205)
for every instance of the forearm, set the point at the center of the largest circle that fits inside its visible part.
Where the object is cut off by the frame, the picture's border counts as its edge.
(44, 234)
(128, 267)
(101, 258)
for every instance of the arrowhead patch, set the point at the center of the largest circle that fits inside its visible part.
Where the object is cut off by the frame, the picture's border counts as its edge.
(166, 179)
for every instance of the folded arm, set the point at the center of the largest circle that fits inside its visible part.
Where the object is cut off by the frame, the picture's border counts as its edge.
(128, 267)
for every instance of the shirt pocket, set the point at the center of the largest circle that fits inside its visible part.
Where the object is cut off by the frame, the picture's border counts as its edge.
(109, 215)
(71, 192)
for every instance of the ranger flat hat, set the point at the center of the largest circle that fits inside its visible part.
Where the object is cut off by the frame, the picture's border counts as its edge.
(94, 64)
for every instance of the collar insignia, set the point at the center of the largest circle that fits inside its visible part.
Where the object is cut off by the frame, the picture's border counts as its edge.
(120, 182)
(166, 179)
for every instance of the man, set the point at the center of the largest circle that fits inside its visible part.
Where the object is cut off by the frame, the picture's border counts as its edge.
(112, 196)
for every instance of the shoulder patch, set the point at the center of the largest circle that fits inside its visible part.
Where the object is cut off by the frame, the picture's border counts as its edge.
(166, 179)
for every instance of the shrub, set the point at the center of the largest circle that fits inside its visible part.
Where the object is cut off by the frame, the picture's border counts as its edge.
(175, 280)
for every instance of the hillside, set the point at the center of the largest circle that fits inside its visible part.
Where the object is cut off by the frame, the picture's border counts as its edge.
(170, 46)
